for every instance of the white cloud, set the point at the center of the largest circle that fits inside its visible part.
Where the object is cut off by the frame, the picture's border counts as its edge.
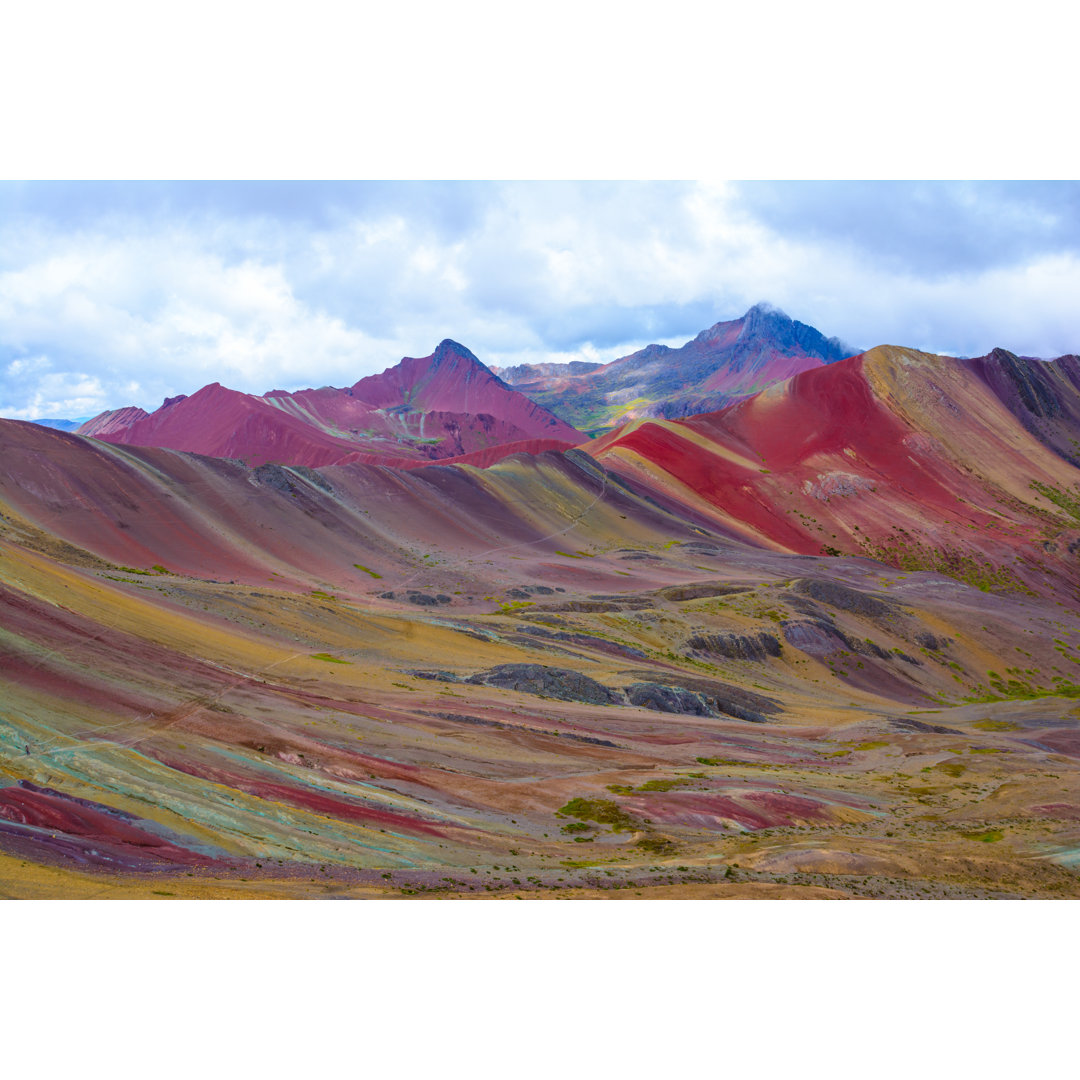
(62, 395)
(26, 365)
(127, 308)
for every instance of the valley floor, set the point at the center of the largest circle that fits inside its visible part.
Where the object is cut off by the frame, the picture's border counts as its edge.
(723, 724)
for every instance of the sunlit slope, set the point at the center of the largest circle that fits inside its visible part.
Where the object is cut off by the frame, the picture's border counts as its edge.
(895, 454)
(166, 512)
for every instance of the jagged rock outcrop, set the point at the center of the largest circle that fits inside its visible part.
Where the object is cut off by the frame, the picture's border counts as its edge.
(699, 590)
(668, 699)
(845, 598)
(735, 646)
(552, 682)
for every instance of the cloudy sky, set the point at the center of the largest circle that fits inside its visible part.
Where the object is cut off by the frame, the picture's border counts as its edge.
(118, 294)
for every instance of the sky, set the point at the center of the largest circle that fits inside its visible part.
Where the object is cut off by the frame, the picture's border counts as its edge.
(115, 294)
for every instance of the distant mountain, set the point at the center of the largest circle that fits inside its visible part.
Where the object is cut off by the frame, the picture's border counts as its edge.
(724, 363)
(444, 405)
(115, 420)
(523, 373)
(61, 425)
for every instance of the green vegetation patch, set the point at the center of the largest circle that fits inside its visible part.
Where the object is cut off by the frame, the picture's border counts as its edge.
(1067, 500)
(951, 768)
(1014, 689)
(367, 570)
(655, 785)
(987, 836)
(602, 811)
(664, 785)
(658, 845)
(996, 725)
(717, 762)
(904, 552)
(329, 659)
(515, 605)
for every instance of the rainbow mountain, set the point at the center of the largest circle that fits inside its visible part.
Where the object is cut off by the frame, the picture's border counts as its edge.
(822, 642)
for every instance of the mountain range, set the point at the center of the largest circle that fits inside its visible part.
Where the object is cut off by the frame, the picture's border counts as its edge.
(728, 361)
(820, 642)
(449, 404)
(439, 406)
(63, 425)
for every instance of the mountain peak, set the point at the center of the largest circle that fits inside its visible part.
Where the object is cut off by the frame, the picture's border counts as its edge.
(764, 321)
(448, 348)
(111, 421)
(731, 359)
(763, 309)
(761, 319)
(453, 380)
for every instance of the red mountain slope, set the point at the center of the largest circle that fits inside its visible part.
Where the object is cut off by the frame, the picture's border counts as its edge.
(423, 409)
(906, 457)
(112, 421)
